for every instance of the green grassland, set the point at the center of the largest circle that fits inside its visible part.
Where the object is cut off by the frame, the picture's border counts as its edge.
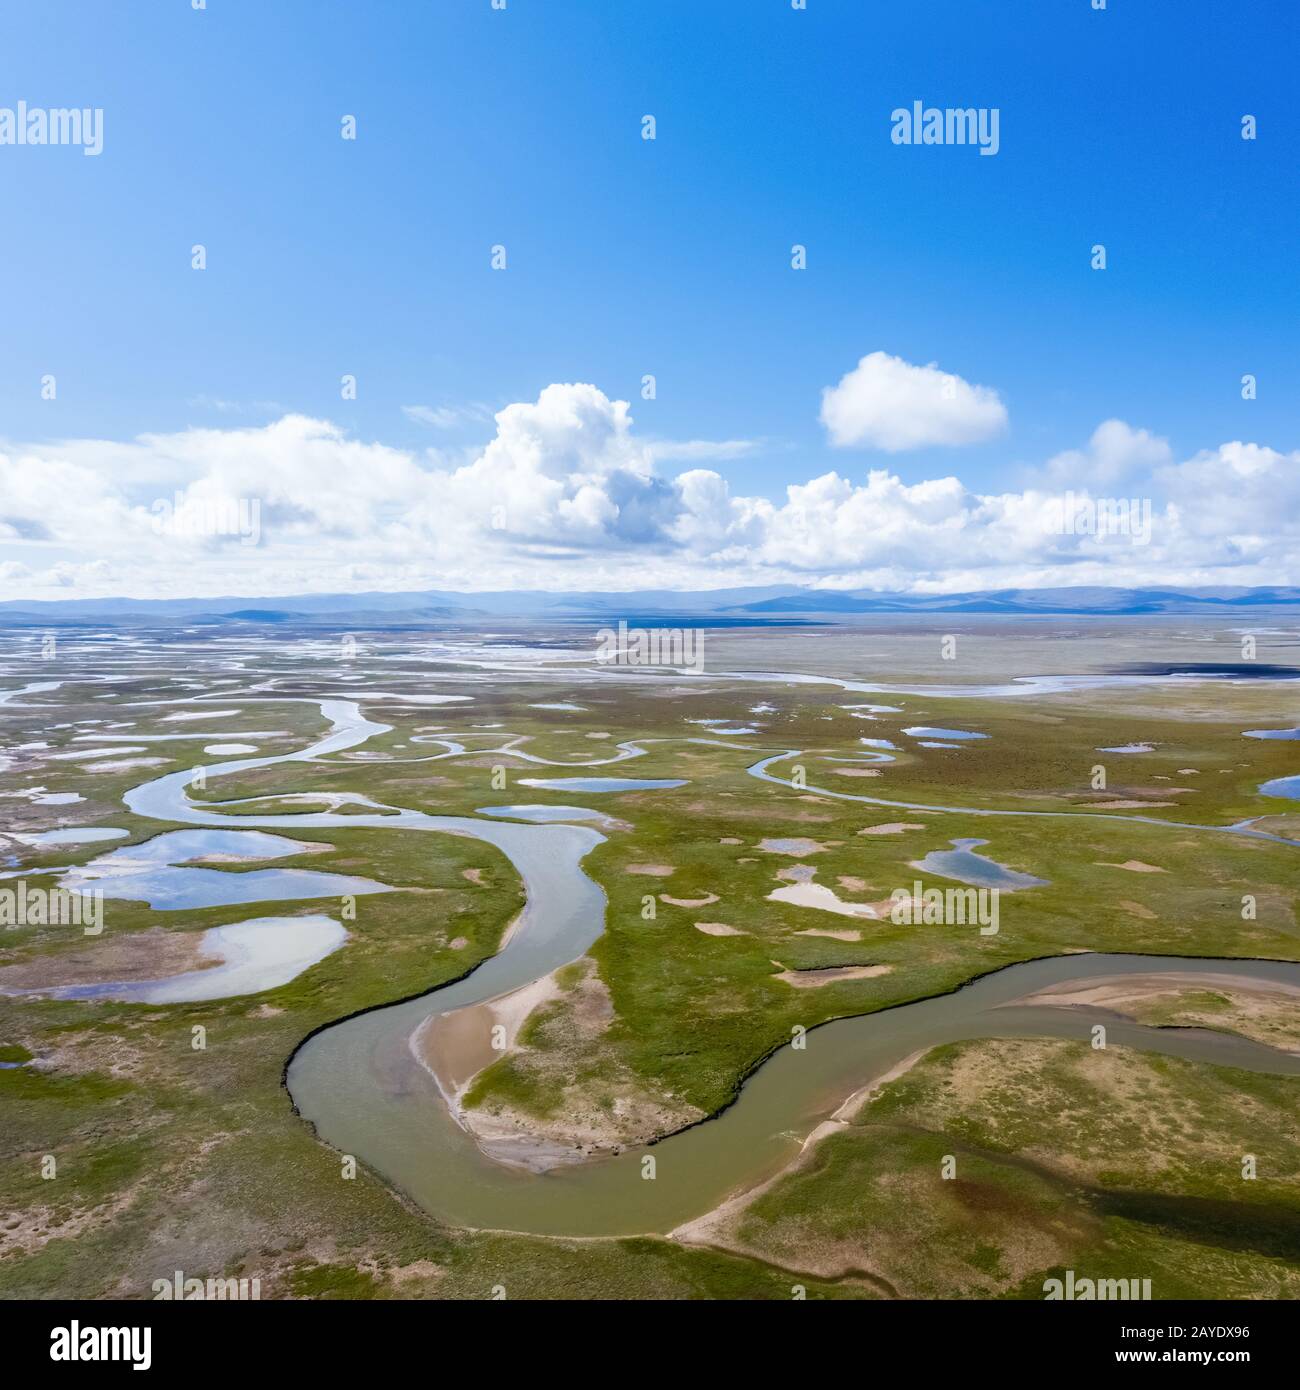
(1115, 1164)
(174, 1158)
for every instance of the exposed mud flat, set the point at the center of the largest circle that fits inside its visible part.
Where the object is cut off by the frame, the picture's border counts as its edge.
(240, 958)
(142, 955)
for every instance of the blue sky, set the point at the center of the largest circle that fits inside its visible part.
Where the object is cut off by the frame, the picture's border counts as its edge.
(625, 256)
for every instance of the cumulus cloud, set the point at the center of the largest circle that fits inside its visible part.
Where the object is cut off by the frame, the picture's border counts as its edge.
(564, 470)
(1116, 451)
(566, 494)
(1239, 502)
(887, 403)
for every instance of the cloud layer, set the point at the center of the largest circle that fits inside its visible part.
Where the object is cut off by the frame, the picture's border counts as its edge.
(567, 495)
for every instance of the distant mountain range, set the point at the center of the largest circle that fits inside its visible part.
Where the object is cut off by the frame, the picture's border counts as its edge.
(771, 605)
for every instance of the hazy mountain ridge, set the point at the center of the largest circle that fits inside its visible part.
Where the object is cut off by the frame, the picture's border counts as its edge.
(767, 602)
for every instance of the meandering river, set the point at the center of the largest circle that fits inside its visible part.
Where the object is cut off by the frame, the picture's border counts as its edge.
(359, 1084)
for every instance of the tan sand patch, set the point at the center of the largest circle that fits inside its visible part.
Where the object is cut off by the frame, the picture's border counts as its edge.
(834, 935)
(456, 1046)
(1134, 866)
(893, 827)
(812, 979)
(1137, 910)
(474, 875)
(730, 840)
(856, 771)
(690, 902)
(651, 870)
(718, 929)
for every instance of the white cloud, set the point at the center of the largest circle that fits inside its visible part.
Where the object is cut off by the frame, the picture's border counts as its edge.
(1115, 451)
(567, 495)
(887, 403)
(1239, 502)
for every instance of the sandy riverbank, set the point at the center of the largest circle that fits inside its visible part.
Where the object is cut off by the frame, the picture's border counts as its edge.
(1263, 1010)
(455, 1047)
(717, 1228)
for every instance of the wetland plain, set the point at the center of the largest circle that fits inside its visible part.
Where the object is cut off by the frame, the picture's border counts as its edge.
(436, 962)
